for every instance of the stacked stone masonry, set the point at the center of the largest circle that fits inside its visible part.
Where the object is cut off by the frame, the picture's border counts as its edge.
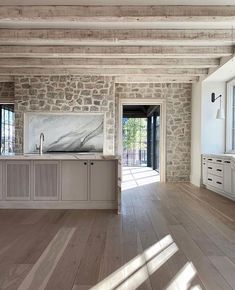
(65, 94)
(101, 94)
(178, 116)
(7, 92)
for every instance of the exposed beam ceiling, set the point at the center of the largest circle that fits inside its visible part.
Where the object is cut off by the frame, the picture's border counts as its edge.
(133, 42)
(115, 51)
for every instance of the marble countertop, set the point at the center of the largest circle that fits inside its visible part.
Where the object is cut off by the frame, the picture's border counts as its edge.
(65, 156)
(222, 155)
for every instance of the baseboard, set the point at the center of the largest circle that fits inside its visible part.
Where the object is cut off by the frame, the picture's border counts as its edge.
(58, 204)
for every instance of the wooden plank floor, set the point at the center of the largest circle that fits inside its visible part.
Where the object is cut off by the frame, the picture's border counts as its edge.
(169, 236)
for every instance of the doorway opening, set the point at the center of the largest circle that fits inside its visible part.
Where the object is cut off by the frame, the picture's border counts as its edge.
(141, 136)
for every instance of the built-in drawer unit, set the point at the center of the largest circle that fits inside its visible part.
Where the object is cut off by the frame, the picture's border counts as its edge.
(217, 174)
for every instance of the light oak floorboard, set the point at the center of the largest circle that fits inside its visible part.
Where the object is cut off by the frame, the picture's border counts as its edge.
(169, 236)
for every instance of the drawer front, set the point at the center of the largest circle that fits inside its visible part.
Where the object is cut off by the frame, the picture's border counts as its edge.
(210, 180)
(209, 159)
(218, 182)
(215, 160)
(215, 181)
(218, 170)
(210, 168)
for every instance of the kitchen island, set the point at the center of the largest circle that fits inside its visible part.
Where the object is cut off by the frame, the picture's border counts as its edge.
(73, 181)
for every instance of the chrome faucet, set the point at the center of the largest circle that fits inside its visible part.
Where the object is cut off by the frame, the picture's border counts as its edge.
(40, 147)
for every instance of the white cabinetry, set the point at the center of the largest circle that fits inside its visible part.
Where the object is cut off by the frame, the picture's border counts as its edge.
(228, 177)
(66, 183)
(217, 174)
(74, 180)
(102, 180)
(17, 180)
(1, 181)
(46, 180)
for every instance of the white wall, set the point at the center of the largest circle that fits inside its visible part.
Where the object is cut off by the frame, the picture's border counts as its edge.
(207, 133)
(213, 130)
(195, 175)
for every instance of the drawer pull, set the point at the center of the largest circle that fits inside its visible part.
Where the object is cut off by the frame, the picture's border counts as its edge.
(219, 170)
(218, 160)
(92, 163)
(227, 162)
(209, 159)
(85, 163)
(209, 167)
(218, 182)
(209, 179)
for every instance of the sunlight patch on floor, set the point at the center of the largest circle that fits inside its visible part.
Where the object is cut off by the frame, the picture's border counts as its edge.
(135, 176)
(184, 278)
(134, 273)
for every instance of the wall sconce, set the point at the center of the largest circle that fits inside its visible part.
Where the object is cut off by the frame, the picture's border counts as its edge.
(220, 112)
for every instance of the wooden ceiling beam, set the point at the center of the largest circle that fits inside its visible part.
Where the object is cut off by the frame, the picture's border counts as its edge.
(116, 37)
(112, 71)
(133, 13)
(156, 79)
(110, 63)
(115, 51)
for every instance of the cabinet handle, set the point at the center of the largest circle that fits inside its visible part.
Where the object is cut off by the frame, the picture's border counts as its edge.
(219, 160)
(209, 167)
(209, 179)
(209, 159)
(218, 170)
(92, 163)
(85, 163)
(227, 162)
(218, 182)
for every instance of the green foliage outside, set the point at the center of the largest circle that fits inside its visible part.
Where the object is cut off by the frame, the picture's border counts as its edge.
(134, 133)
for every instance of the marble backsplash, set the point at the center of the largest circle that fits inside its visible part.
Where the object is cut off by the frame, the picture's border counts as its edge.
(71, 132)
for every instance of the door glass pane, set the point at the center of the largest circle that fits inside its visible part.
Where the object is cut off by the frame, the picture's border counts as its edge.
(135, 141)
(7, 132)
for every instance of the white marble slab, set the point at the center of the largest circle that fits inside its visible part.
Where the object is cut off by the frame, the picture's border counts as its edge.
(67, 132)
(67, 156)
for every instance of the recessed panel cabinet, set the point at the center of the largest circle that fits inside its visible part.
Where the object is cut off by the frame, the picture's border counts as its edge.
(86, 184)
(74, 180)
(46, 180)
(102, 180)
(17, 180)
(1, 181)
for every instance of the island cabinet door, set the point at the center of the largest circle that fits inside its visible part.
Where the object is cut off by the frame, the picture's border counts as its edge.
(17, 180)
(46, 180)
(103, 180)
(74, 180)
(1, 180)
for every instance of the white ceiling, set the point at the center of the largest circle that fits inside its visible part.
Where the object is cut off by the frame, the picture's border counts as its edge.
(224, 73)
(117, 2)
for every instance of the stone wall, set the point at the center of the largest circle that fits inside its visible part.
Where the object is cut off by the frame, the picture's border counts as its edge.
(178, 115)
(65, 94)
(6, 92)
(99, 94)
